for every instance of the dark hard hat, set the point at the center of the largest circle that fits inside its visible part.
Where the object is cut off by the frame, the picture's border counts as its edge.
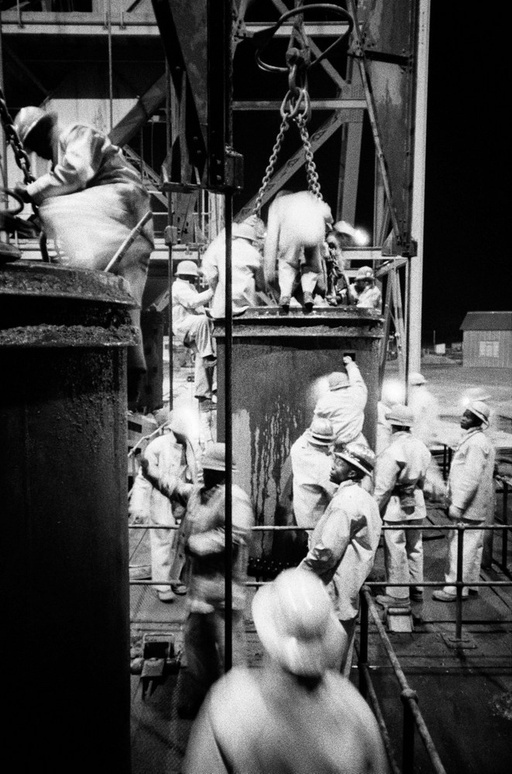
(28, 118)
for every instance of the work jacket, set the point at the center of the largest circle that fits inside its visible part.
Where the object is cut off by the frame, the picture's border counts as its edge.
(203, 533)
(166, 457)
(267, 721)
(399, 478)
(470, 481)
(369, 298)
(187, 302)
(343, 546)
(247, 275)
(312, 487)
(344, 407)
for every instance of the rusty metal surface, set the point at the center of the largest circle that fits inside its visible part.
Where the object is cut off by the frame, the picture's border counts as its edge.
(277, 373)
(64, 548)
(388, 38)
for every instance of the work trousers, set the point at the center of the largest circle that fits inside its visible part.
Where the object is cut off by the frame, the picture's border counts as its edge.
(198, 336)
(162, 543)
(471, 557)
(292, 269)
(403, 557)
(205, 651)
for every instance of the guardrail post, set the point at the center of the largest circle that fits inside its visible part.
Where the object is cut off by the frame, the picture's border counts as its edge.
(504, 533)
(363, 643)
(459, 582)
(409, 728)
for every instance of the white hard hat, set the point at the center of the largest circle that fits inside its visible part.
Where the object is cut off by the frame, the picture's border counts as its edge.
(400, 415)
(321, 432)
(415, 379)
(337, 380)
(215, 457)
(295, 621)
(187, 268)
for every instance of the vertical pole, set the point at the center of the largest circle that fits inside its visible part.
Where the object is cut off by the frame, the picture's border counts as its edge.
(408, 732)
(459, 582)
(110, 73)
(504, 539)
(228, 204)
(363, 644)
(169, 232)
(418, 190)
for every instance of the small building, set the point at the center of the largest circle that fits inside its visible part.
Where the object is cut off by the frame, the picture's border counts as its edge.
(487, 339)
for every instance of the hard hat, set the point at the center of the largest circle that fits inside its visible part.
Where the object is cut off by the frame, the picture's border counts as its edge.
(364, 273)
(245, 231)
(162, 416)
(400, 415)
(27, 119)
(415, 379)
(476, 393)
(215, 457)
(358, 455)
(295, 621)
(337, 380)
(187, 268)
(321, 432)
(480, 410)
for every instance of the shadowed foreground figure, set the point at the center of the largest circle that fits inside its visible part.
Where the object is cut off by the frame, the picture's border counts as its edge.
(297, 714)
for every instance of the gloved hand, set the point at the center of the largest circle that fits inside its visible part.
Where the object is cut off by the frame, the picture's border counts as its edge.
(20, 189)
(347, 359)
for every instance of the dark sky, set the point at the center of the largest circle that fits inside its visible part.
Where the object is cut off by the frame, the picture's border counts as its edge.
(467, 263)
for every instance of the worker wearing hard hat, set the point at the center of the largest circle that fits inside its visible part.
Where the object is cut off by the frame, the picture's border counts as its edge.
(193, 328)
(247, 274)
(203, 530)
(174, 452)
(89, 203)
(311, 468)
(345, 402)
(399, 479)
(345, 540)
(471, 499)
(296, 713)
(363, 292)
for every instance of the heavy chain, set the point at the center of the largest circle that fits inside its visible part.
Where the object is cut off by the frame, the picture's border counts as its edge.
(20, 155)
(271, 164)
(311, 173)
(296, 109)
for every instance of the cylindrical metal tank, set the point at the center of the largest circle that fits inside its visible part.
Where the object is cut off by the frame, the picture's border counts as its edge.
(280, 364)
(64, 548)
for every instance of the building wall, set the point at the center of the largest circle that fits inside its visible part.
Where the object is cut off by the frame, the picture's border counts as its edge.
(491, 349)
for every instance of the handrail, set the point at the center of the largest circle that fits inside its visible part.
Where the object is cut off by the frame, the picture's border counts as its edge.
(412, 714)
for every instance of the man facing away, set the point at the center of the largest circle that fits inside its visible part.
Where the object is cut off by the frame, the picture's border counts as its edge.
(345, 402)
(399, 479)
(296, 714)
(345, 540)
(205, 537)
(311, 469)
(470, 498)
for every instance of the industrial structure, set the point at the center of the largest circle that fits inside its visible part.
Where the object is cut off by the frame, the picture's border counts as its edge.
(219, 106)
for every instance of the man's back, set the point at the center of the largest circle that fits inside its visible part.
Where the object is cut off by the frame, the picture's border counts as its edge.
(268, 721)
(312, 489)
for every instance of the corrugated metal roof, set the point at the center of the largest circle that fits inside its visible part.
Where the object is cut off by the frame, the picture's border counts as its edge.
(487, 321)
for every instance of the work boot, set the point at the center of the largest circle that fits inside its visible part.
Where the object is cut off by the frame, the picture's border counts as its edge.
(386, 600)
(308, 302)
(166, 596)
(284, 303)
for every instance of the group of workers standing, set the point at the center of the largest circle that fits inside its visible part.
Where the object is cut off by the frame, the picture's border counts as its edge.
(297, 258)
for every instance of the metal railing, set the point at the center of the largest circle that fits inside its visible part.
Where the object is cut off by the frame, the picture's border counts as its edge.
(412, 720)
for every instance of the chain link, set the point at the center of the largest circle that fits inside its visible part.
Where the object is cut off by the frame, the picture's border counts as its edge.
(290, 110)
(271, 164)
(311, 173)
(20, 155)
